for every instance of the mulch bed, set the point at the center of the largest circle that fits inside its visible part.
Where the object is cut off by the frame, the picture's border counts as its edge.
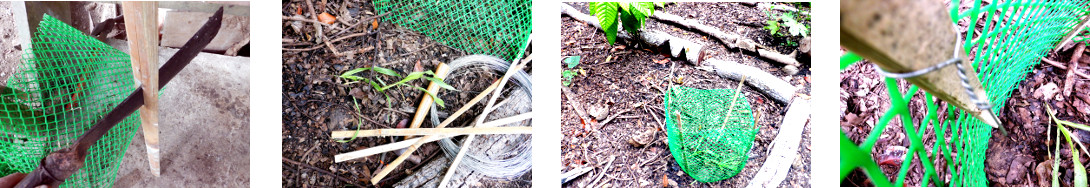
(628, 82)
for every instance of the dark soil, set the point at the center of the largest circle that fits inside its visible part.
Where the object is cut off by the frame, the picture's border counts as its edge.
(316, 101)
(628, 82)
(1020, 159)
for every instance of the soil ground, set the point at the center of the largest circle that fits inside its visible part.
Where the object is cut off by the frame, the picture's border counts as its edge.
(628, 82)
(1020, 159)
(207, 100)
(316, 101)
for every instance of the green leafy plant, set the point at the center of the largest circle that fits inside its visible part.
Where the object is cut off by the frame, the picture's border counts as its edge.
(789, 22)
(570, 73)
(631, 14)
(380, 86)
(1080, 169)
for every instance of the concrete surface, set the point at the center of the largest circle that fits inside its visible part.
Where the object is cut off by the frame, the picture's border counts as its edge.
(204, 120)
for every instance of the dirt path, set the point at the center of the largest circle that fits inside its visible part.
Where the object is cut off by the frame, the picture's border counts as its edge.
(634, 76)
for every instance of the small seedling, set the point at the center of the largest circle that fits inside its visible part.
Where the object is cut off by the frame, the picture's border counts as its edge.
(570, 73)
(381, 86)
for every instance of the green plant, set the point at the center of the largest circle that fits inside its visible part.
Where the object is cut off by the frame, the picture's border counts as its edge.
(1080, 169)
(381, 86)
(570, 73)
(631, 14)
(790, 22)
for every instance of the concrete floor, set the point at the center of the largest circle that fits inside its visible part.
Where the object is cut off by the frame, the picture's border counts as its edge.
(204, 123)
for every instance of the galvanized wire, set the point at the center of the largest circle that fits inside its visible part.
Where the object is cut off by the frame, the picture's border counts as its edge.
(503, 160)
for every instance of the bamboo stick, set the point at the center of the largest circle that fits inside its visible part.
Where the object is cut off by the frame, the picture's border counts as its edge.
(425, 101)
(433, 131)
(412, 148)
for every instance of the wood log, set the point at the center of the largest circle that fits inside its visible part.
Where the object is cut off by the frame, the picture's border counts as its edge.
(432, 131)
(786, 145)
(770, 85)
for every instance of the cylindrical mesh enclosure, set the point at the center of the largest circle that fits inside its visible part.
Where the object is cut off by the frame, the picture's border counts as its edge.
(67, 83)
(708, 144)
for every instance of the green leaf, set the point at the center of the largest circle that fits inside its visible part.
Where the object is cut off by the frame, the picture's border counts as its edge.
(386, 71)
(375, 85)
(440, 83)
(433, 97)
(633, 15)
(572, 61)
(607, 17)
(410, 77)
(351, 74)
(1080, 170)
(773, 27)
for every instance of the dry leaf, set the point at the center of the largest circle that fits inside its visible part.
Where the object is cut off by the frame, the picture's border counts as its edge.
(326, 18)
(374, 24)
(663, 61)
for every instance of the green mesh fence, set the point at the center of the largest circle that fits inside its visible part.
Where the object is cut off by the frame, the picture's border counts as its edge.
(707, 144)
(69, 81)
(1004, 53)
(493, 27)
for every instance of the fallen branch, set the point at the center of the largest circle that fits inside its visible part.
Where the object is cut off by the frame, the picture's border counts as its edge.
(730, 39)
(432, 131)
(783, 155)
(578, 108)
(1061, 66)
(777, 89)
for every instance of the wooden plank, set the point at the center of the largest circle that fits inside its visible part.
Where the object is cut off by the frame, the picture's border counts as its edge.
(905, 36)
(432, 131)
(785, 146)
(178, 27)
(141, 21)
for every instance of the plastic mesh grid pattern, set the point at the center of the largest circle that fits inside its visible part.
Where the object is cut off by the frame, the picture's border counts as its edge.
(68, 82)
(493, 27)
(1005, 52)
(708, 145)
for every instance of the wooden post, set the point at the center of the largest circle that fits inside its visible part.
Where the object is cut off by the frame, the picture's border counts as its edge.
(905, 36)
(141, 23)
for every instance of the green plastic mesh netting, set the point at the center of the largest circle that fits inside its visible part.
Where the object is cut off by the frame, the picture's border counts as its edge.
(69, 81)
(705, 146)
(1005, 52)
(1003, 49)
(493, 27)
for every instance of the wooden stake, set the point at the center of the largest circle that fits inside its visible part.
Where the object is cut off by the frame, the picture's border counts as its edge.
(141, 21)
(425, 102)
(905, 36)
(433, 131)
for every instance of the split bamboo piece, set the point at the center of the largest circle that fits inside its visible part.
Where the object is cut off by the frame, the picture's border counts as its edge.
(140, 21)
(425, 101)
(404, 144)
(412, 148)
(434, 131)
(875, 31)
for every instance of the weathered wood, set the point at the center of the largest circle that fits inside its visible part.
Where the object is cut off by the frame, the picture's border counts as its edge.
(786, 145)
(425, 101)
(732, 40)
(178, 26)
(879, 32)
(432, 131)
(770, 85)
(141, 21)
